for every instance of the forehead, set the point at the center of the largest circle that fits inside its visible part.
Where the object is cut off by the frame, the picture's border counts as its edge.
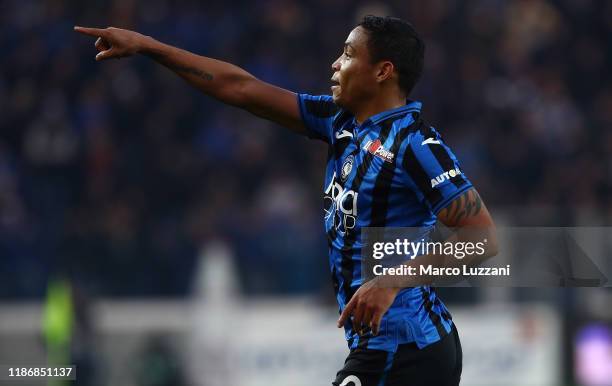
(357, 38)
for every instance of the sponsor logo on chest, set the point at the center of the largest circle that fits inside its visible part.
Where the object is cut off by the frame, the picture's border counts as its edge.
(340, 205)
(376, 148)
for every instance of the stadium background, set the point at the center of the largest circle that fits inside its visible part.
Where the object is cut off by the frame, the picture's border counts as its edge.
(119, 181)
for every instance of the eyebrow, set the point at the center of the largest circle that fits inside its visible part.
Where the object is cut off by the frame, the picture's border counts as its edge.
(347, 44)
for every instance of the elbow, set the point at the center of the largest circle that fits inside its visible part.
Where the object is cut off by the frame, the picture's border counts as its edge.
(237, 91)
(492, 251)
(485, 240)
(491, 248)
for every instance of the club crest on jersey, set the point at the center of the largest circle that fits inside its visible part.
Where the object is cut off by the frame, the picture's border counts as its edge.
(445, 176)
(376, 148)
(347, 167)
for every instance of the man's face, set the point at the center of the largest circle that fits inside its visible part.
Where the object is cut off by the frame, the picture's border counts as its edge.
(354, 75)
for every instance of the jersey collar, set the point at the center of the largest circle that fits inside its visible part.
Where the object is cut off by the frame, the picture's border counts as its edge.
(409, 107)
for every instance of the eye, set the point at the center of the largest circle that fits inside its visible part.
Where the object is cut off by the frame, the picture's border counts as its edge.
(347, 55)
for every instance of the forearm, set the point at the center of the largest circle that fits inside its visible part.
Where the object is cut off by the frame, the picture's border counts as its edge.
(226, 82)
(220, 80)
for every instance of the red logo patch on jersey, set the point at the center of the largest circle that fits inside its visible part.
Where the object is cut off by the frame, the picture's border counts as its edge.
(376, 148)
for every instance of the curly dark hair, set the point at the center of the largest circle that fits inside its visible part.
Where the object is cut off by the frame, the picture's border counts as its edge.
(397, 41)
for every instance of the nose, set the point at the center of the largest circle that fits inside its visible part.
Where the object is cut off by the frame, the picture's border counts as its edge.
(336, 65)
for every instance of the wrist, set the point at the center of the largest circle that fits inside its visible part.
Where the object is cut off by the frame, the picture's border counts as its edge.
(146, 45)
(394, 290)
(391, 289)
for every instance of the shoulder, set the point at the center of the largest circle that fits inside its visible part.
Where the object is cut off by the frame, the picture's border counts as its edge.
(411, 129)
(341, 117)
(319, 106)
(422, 133)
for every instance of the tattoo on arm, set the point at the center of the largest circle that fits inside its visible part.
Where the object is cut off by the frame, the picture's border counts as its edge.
(183, 69)
(469, 204)
(192, 70)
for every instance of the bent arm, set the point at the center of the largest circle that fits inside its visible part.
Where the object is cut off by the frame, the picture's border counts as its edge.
(223, 81)
(471, 222)
(469, 216)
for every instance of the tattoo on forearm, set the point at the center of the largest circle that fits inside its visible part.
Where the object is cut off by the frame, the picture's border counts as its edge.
(192, 70)
(182, 69)
(469, 204)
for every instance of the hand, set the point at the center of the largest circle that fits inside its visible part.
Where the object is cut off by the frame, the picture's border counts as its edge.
(114, 42)
(368, 305)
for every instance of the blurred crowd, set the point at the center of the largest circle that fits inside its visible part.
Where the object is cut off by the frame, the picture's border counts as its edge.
(117, 173)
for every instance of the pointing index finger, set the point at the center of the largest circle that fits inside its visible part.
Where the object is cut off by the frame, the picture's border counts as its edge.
(97, 32)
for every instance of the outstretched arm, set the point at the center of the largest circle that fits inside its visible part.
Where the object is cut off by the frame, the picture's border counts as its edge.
(472, 221)
(221, 80)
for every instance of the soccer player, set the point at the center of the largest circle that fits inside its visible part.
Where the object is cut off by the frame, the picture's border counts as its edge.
(385, 168)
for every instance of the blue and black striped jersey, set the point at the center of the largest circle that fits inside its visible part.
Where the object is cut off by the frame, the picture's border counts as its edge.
(391, 170)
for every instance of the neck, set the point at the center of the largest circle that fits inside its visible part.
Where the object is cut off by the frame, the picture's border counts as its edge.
(378, 105)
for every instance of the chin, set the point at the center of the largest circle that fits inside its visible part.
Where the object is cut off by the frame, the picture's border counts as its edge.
(337, 100)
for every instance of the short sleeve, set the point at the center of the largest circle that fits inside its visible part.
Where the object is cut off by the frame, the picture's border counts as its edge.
(317, 113)
(432, 170)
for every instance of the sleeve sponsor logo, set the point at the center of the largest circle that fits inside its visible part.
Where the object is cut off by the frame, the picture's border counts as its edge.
(444, 177)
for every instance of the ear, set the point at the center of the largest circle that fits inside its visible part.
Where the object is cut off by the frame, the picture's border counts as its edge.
(384, 71)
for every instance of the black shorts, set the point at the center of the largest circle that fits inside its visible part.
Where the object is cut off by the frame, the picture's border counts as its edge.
(438, 364)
